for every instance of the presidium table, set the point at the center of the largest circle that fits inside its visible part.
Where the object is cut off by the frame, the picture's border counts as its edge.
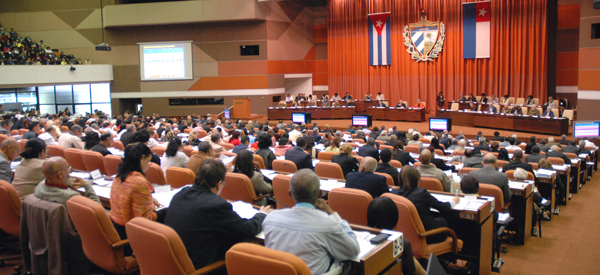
(346, 112)
(552, 126)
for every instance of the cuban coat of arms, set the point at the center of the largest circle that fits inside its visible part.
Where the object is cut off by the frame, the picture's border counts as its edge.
(424, 40)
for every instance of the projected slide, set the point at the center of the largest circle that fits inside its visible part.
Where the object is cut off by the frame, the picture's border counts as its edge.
(166, 61)
(586, 129)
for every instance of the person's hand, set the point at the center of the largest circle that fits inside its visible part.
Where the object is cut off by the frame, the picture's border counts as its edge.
(321, 204)
(156, 203)
(456, 199)
(76, 183)
(265, 209)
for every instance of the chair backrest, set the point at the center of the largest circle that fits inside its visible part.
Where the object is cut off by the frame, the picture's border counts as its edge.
(431, 184)
(386, 147)
(501, 163)
(3, 137)
(439, 152)
(187, 130)
(10, 209)
(97, 234)
(511, 175)
(326, 155)
(227, 146)
(388, 179)
(351, 204)
(556, 161)
(22, 145)
(202, 134)
(157, 247)
(238, 187)
(261, 162)
(396, 164)
(22, 131)
(286, 166)
(155, 174)
(412, 149)
(409, 223)
(458, 153)
(93, 160)
(381, 142)
(75, 159)
(15, 132)
(511, 100)
(119, 145)
(520, 101)
(568, 114)
(254, 259)
(467, 170)
(329, 170)
(56, 151)
(281, 191)
(491, 190)
(188, 151)
(571, 155)
(454, 106)
(111, 164)
(159, 150)
(177, 176)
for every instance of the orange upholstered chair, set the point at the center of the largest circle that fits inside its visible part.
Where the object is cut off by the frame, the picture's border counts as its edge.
(75, 159)
(119, 145)
(467, 170)
(159, 250)
(381, 142)
(55, 151)
(281, 190)
(409, 223)
(101, 242)
(187, 130)
(501, 163)
(431, 184)
(416, 164)
(329, 170)
(412, 149)
(254, 259)
(22, 131)
(495, 192)
(556, 161)
(111, 164)
(10, 217)
(188, 151)
(351, 204)
(285, 166)
(359, 140)
(386, 147)
(238, 187)
(177, 176)
(227, 146)
(93, 160)
(159, 150)
(326, 155)
(511, 175)
(64, 129)
(202, 134)
(155, 174)
(22, 145)
(260, 161)
(439, 152)
(396, 164)
(388, 179)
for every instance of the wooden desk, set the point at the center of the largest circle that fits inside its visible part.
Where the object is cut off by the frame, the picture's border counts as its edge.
(522, 207)
(275, 113)
(394, 114)
(552, 126)
(379, 259)
(363, 106)
(547, 188)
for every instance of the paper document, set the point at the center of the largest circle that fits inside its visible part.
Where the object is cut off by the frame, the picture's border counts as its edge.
(244, 209)
(328, 185)
(102, 182)
(226, 159)
(502, 217)
(83, 175)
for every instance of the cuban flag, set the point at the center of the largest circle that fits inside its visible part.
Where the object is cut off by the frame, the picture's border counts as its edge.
(476, 30)
(380, 45)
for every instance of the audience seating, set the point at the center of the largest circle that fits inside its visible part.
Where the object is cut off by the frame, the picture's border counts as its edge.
(511, 175)
(22, 145)
(202, 134)
(258, 159)
(458, 153)
(568, 114)
(281, 191)
(64, 129)
(75, 159)
(178, 177)
(329, 170)
(159, 151)
(93, 160)
(431, 184)
(326, 156)
(351, 204)
(381, 142)
(188, 151)
(416, 164)
(285, 166)
(111, 164)
(101, 242)
(501, 163)
(254, 259)
(118, 145)
(467, 170)
(359, 140)
(556, 161)
(409, 223)
(227, 146)
(396, 164)
(55, 151)
(386, 147)
(388, 179)
(454, 107)
(159, 250)
(520, 101)
(439, 152)
(22, 131)
(10, 217)
(495, 192)
(155, 174)
(238, 187)
(412, 149)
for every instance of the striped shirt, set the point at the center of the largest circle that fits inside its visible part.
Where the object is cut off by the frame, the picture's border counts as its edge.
(131, 198)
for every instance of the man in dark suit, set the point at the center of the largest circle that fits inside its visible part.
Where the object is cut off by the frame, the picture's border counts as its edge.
(298, 156)
(369, 150)
(535, 155)
(474, 158)
(563, 140)
(346, 160)
(439, 163)
(385, 167)
(497, 137)
(571, 148)
(554, 153)
(532, 142)
(366, 180)
(106, 140)
(483, 145)
(127, 137)
(543, 146)
(205, 222)
(489, 175)
(516, 162)
(316, 134)
(244, 141)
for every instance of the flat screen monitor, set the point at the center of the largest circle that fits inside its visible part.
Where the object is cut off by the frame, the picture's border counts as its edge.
(362, 120)
(440, 124)
(301, 117)
(227, 114)
(586, 129)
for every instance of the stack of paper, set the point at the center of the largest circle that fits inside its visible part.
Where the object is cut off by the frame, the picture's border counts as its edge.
(244, 209)
(328, 185)
(545, 173)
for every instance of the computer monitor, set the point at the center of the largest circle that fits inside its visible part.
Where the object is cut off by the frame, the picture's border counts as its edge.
(227, 114)
(301, 117)
(586, 129)
(440, 124)
(362, 120)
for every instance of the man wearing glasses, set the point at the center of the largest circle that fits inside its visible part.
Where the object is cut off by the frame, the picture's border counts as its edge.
(58, 186)
(10, 150)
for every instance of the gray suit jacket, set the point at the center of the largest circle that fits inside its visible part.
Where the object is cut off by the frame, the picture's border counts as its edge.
(534, 158)
(5, 172)
(488, 175)
(544, 148)
(475, 161)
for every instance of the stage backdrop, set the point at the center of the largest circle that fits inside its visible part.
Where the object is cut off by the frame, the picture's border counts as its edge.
(518, 52)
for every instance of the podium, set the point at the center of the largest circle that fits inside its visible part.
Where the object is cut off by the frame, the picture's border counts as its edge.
(241, 107)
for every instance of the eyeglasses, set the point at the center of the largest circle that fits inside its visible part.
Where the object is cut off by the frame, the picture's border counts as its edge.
(68, 168)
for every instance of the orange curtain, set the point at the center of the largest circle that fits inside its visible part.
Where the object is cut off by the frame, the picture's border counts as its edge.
(517, 66)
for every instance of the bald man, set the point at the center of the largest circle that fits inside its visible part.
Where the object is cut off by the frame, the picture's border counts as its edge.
(490, 175)
(10, 150)
(58, 186)
(429, 170)
(366, 180)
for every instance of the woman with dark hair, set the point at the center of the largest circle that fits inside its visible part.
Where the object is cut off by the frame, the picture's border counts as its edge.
(310, 147)
(131, 192)
(383, 214)
(29, 172)
(436, 144)
(235, 138)
(174, 155)
(424, 201)
(91, 139)
(399, 154)
(264, 142)
(503, 154)
(335, 145)
(244, 164)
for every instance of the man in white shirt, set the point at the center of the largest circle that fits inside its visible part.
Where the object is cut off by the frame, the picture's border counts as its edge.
(295, 134)
(49, 137)
(289, 98)
(379, 97)
(71, 139)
